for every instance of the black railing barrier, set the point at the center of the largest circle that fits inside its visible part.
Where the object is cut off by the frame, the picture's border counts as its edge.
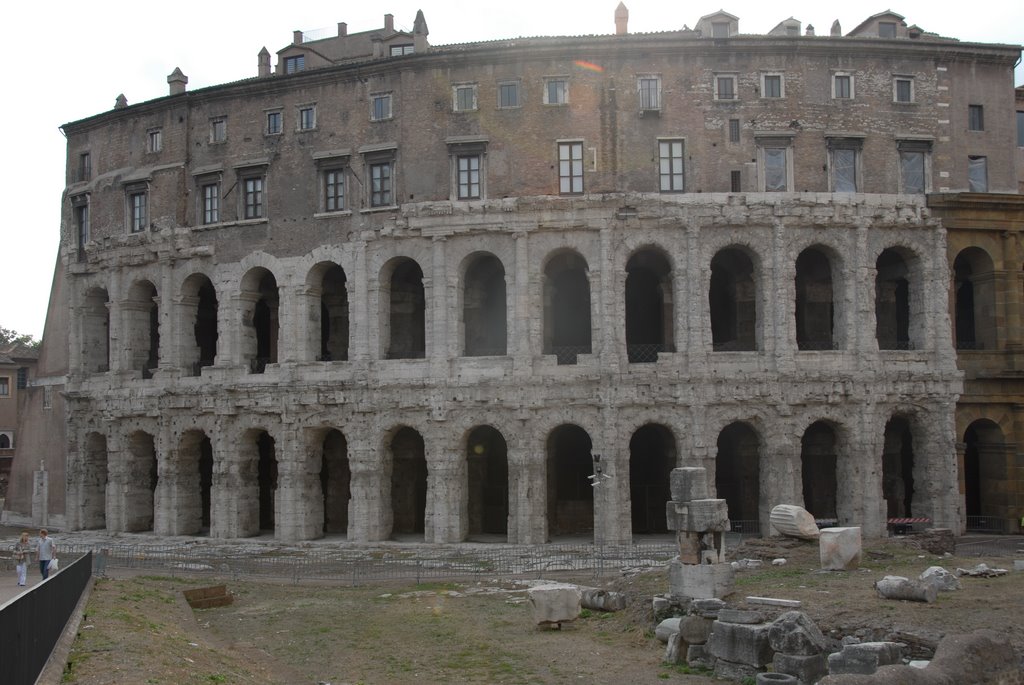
(32, 623)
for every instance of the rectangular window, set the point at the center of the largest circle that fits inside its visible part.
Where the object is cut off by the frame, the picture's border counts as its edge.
(469, 177)
(155, 140)
(334, 190)
(464, 97)
(47, 397)
(22, 379)
(84, 167)
(273, 123)
(307, 118)
(842, 86)
(771, 85)
(775, 171)
(735, 181)
(886, 29)
(734, 130)
(903, 89)
(380, 106)
(912, 172)
(977, 174)
(380, 184)
(570, 168)
(508, 94)
(556, 92)
(137, 211)
(252, 193)
(1020, 129)
(5, 386)
(399, 50)
(975, 117)
(218, 130)
(725, 87)
(719, 29)
(650, 92)
(844, 170)
(294, 64)
(81, 209)
(670, 166)
(211, 203)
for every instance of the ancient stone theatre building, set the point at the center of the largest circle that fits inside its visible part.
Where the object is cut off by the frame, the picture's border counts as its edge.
(388, 289)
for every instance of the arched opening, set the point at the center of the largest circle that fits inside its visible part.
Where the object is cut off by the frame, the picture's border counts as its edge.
(898, 468)
(974, 300)
(570, 493)
(335, 482)
(649, 326)
(406, 312)
(738, 475)
(483, 308)
(260, 319)
(818, 468)
(267, 480)
(95, 337)
(732, 298)
(94, 482)
(140, 482)
(408, 483)
(487, 476)
(200, 300)
(985, 476)
(333, 314)
(5, 441)
(567, 331)
(195, 474)
(892, 301)
(815, 309)
(652, 456)
(142, 322)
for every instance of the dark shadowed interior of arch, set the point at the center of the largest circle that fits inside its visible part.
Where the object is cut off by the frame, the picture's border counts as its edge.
(205, 327)
(567, 326)
(898, 468)
(570, 495)
(334, 316)
(141, 482)
(732, 299)
(142, 322)
(194, 480)
(818, 468)
(985, 453)
(892, 302)
(652, 456)
(205, 480)
(974, 297)
(408, 483)
(407, 312)
(96, 332)
(267, 479)
(737, 473)
(649, 328)
(483, 308)
(265, 321)
(814, 301)
(335, 482)
(94, 482)
(487, 473)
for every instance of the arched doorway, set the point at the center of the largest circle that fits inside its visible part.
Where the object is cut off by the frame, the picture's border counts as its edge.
(815, 310)
(570, 494)
(567, 328)
(898, 468)
(260, 319)
(985, 477)
(408, 483)
(335, 482)
(732, 298)
(738, 475)
(483, 308)
(649, 321)
(818, 469)
(974, 300)
(406, 311)
(652, 456)
(487, 475)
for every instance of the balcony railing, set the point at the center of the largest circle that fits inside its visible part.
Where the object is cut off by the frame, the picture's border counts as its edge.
(646, 353)
(567, 354)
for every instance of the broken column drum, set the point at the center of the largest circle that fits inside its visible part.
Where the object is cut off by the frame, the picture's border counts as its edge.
(700, 524)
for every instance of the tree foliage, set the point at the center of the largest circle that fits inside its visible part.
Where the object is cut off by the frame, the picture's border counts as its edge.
(9, 336)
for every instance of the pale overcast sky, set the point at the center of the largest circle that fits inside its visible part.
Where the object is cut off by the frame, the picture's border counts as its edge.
(69, 60)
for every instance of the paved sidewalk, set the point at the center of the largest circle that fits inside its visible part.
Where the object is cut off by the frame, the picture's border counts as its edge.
(9, 582)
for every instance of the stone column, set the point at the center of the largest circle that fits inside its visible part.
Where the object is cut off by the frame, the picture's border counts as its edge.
(41, 496)
(438, 300)
(167, 357)
(860, 500)
(612, 520)
(521, 329)
(172, 508)
(183, 352)
(234, 495)
(779, 467)
(117, 481)
(527, 485)
(936, 490)
(360, 321)
(369, 508)
(777, 293)
(694, 314)
(608, 317)
(446, 516)
(938, 329)
(305, 300)
(116, 331)
(863, 324)
(298, 502)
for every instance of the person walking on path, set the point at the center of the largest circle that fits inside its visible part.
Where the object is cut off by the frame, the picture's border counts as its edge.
(46, 550)
(22, 550)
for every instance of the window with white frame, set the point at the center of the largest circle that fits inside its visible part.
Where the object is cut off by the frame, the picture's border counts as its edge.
(725, 87)
(649, 88)
(380, 106)
(5, 386)
(307, 117)
(772, 86)
(154, 140)
(975, 118)
(556, 91)
(670, 166)
(381, 188)
(844, 162)
(468, 175)
(274, 122)
(977, 174)
(464, 97)
(775, 164)
(842, 86)
(914, 158)
(334, 188)
(253, 195)
(399, 50)
(138, 215)
(903, 89)
(210, 201)
(218, 129)
(508, 94)
(570, 167)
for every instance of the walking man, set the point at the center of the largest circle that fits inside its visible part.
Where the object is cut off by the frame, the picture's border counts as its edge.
(45, 551)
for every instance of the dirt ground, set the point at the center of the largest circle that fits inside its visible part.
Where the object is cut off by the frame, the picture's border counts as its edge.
(138, 629)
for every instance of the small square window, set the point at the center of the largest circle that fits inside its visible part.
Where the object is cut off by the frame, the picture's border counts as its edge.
(649, 88)
(252, 197)
(399, 50)
(464, 97)
(273, 123)
(725, 88)
(886, 29)
(975, 117)
(380, 107)
(211, 203)
(570, 168)
(469, 177)
(380, 184)
(155, 140)
(734, 130)
(903, 89)
(842, 86)
(307, 118)
(137, 215)
(670, 166)
(218, 130)
(508, 94)
(334, 189)
(771, 85)
(556, 91)
(294, 64)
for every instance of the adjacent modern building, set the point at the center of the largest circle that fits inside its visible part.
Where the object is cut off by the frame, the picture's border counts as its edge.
(498, 290)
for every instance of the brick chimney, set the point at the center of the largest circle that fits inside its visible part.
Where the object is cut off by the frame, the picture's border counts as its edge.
(621, 19)
(263, 63)
(389, 23)
(296, 37)
(342, 29)
(177, 82)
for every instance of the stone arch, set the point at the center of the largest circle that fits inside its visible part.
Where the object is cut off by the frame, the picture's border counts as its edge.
(652, 456)
(733, 300)
(408, 472)
(567, 315)
(899, 467)
(260, 301)
(484, 307)
(974, 297)
(95, 336)
(141, 480)
(815, 301)
(899, 300)
(94, 476)
(818, 468)
(199, 323)
(141, 318)
(335, 481)
(487, 481)
(650, 328)
(327, 286)
(570, 496)
(403, 302)
(738, 474)
(985, 476)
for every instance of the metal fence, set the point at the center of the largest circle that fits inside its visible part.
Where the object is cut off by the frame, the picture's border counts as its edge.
(1002, 546)
(989, 524)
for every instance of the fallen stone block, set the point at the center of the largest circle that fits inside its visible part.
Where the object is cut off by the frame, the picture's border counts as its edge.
(667, 628)
(794, 633)
(864, 658)
(709, 515)
(740, 616)
(688, 483)
(728, 670)
(695, 630)
(707, 607)
(699, 657)
(982, 571)
(601, 600)
(839, 548)
(943, 580)
(775, 602)
(677, 516)
(675, 649)
(1018, 564)
(740, 643)
(898, 587)
(778, 562)
(660, 603)
(806, 669)
(794, 521)
(701, 581)
(555, 603)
